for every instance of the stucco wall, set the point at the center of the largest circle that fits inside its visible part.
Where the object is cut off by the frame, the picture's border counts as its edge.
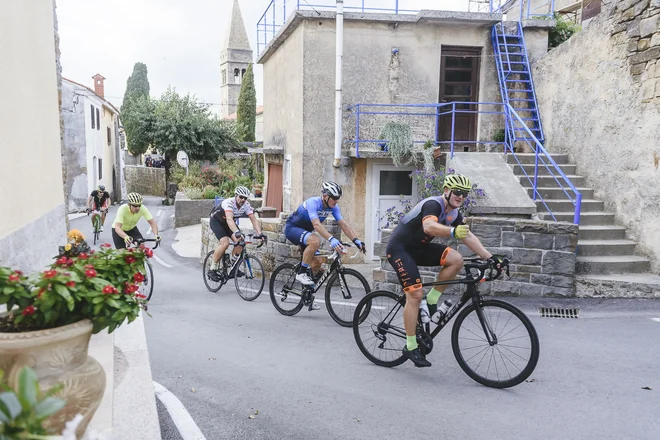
(604, 110)
(75, 157)
(32, 200)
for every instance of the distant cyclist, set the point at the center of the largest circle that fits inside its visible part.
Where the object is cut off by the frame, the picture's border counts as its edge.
(223, 223)
(125, 228)
(410, 245)
(308, 218)
(99, 200)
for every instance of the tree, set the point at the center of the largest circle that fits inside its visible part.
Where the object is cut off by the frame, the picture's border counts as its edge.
(246, 114)
(136, 99)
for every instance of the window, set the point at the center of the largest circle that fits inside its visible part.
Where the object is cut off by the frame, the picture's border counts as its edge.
(109, 136)
(98, 120)
(122, 140)
(100, 169)
(395, 183)
(93, 120)
(242, 74)
(224, 76)
(237, 76)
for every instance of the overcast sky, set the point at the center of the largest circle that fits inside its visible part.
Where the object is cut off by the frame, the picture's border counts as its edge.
(179, 40)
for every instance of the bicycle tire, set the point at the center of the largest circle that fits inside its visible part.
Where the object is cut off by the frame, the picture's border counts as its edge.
(96, 225)
(346, 272)
(524, 320)
(358, 320)
(250, 261)
(148, 280)
(292, 279)
(205, 268)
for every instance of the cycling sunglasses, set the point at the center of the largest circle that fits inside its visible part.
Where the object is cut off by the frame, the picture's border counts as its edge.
(460, 192)
(134, 206)
(242, 197)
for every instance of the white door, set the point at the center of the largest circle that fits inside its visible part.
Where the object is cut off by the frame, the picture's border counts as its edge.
(389, 184)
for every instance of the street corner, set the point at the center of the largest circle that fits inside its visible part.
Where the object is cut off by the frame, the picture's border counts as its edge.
(187, 241)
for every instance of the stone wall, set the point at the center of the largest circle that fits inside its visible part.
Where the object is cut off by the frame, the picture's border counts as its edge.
(145, 180)
(542, 256)
(191, 212)
(278, 250)
(603, 109)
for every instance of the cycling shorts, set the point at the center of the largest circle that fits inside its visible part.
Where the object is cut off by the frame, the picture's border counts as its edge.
(120, 243)
(296, 235)
(405, 260)
(220, 229)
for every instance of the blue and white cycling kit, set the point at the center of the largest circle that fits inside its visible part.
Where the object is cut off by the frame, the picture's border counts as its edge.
(299, 224)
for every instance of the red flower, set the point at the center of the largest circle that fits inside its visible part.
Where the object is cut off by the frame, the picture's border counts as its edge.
(18, 272)
(92, 252)
(148, 252)
(109, 290)
(13, 278)
(61, 261)
(106, 245)
(139, 295)
(71, 284)
(90, 273)
(138, 277)
(131, 288)
(50, 273)
(83, 256)
(29, 310)
(130, 259)
(89, 266)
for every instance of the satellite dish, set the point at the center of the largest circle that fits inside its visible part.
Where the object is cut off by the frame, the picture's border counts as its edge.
(182, 158)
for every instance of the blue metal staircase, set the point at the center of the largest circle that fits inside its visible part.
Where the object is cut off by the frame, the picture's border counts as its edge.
(516, 83)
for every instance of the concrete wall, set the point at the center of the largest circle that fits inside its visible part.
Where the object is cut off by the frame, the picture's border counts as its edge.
(75, 156)
(33, 221)
(605, 113)
(145, 180)
(190, 212)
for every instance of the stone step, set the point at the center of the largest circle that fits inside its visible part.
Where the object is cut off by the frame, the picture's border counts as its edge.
(552, 181)
(641, 285)
(558, 193)
(531, 158)
(601, 232)
(605, 247)
(587, 205)
(543, 170)
(612, 264)
(586, 218)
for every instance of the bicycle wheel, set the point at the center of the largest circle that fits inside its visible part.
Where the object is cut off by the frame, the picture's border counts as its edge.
(513, 355)
(380, 335)
(344, 291)
(97, 222)
(212, 286)
(148, 283)
(285, 290)
(250, 285)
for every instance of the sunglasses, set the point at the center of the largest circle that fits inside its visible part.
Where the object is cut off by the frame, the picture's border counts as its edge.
(134, 206)
(242, 197)
(460, 193)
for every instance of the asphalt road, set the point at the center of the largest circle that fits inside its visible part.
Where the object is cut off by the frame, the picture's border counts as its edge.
(226, 359)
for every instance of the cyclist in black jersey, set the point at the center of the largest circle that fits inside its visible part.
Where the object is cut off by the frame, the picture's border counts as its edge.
(410, 245)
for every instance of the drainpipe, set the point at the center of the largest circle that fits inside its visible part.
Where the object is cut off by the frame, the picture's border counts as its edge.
(338, 80)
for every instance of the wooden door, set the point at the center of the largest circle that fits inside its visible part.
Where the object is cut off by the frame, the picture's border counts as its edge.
(459, 81)
(274, 189)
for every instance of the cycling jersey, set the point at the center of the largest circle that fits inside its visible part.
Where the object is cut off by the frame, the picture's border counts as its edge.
(410, 230)
(229, 205)
(99, 198)
(129, 220)
(311, 209)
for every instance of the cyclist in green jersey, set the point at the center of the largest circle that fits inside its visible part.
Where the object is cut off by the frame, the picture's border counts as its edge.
(125, 225)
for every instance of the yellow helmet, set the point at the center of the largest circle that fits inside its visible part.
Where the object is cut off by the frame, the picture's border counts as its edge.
(135, 199)
(457, 181)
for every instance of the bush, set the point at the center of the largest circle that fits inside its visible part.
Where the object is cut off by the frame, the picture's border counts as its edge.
(210, 192)
(210, 176)
(562, 31)
(193, 193)
(191, 181)
(178, 173)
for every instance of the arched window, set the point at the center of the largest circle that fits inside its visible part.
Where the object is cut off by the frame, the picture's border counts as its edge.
(242, 73)
(237, 76)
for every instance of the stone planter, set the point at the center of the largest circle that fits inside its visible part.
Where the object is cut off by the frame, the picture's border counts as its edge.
(58, 355)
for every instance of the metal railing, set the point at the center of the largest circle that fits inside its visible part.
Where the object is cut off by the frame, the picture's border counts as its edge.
(539, 8)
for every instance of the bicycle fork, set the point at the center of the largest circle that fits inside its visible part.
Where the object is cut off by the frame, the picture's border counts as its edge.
(485, 325)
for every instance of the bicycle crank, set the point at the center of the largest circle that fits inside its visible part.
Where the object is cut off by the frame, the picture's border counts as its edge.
(424, 341)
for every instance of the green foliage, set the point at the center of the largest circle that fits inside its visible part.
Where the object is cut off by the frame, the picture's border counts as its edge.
(193, 193)
(138, 119)
(191, 181)
(137, 84)
(499, 135)
(24, 409)
(246, 113)
(210, 176)
(400, 145)
(210, 192)
(101, 286)
(178, 173)
(562, 31)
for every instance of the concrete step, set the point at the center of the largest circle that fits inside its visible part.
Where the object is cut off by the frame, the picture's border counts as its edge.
(558, 193)
(587, 205)
(543, 169)
(612, 264)
(552, 181)
(586, 218)
(601, 232)
(531, 158)
(639, 285)
(605, 247)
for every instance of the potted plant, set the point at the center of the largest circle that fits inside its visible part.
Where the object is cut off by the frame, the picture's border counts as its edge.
(51, 316)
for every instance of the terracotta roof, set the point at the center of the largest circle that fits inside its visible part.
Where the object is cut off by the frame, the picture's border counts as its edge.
(105, 101)
(233, 116)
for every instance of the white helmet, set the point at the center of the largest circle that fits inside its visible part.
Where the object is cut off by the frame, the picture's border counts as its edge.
(242, 191)
(332, 189)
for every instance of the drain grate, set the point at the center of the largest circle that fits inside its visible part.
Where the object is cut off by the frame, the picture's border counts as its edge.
(554, 312)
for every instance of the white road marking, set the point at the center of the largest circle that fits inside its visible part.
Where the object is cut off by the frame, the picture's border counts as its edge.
(656, 319)
(159, 212)
(180, 416)
(172, 216)
(161, 261)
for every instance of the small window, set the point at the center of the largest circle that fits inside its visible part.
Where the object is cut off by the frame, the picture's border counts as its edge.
(109, 136)
(286, 174)
(237, 76)
(224, 76)
(100, 169)
(242, 73)
(98, 120)
(93, 120)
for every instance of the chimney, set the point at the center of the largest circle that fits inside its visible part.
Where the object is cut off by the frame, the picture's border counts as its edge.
(98, 85)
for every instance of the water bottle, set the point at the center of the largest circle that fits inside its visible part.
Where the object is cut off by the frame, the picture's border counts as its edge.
(225, 259)
(424, 310)
(442, 310)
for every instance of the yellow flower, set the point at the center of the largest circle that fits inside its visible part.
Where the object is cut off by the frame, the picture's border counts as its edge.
(67, 247)
(75, 235)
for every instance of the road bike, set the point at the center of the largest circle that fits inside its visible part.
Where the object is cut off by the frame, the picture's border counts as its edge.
(493, 341)
(346, 287)
(247, 271)
(147, 286)
(96, 222)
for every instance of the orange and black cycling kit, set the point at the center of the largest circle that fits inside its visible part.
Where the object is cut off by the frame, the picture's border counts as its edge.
(409, 246)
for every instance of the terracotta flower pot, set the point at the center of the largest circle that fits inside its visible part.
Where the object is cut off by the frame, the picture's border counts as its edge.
(58, 355)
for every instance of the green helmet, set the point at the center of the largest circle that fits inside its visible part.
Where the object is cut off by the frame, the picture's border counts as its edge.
(457, 181)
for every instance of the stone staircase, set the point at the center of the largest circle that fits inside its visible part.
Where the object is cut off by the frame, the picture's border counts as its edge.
(606, 261)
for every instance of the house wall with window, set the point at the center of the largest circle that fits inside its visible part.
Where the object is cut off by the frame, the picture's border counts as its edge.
(32, 197)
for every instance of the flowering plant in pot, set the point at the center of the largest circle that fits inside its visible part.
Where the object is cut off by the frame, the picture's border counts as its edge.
(52, 314)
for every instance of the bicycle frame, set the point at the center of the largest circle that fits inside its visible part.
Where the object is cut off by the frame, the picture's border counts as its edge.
(335, 266)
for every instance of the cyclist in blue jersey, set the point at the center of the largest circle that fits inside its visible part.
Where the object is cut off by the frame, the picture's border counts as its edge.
(308, 218)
